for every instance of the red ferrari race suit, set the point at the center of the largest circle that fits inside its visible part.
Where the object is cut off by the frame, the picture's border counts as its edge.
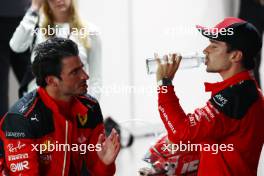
(233, 119)
(69, 144)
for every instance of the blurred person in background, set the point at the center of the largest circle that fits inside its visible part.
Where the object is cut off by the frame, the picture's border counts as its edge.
(11, 13)
(253, 12)
(60, 18)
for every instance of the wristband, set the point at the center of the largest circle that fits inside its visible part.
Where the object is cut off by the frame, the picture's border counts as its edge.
(165, 82)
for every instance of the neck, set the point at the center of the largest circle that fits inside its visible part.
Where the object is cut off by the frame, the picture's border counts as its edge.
(61, 17)
(231, 72)
(56, 95)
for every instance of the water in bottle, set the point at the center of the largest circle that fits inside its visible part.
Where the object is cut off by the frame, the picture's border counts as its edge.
(192, 60)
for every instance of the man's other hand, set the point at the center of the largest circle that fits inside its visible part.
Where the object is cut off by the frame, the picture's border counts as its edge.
(110, 147)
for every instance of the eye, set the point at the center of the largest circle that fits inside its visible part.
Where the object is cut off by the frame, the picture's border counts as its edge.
(75, 72)
(213, 46)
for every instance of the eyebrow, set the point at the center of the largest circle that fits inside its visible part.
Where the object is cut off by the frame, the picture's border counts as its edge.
(213, 41)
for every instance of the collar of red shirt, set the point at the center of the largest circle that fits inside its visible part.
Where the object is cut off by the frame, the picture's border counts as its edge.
(76, 105)
(218, 86)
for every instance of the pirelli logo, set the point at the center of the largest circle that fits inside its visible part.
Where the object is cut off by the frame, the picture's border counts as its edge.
(17, 157)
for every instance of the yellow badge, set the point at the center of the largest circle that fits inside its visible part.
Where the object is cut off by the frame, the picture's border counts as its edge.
(82, 119)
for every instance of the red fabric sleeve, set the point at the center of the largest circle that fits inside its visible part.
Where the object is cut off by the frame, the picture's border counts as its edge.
(202, 123)
(19, 157)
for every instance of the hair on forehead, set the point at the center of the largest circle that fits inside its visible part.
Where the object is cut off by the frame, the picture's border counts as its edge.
(48, 58)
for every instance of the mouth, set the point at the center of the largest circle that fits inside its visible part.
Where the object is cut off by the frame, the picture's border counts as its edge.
(60, 5)
(84, 85)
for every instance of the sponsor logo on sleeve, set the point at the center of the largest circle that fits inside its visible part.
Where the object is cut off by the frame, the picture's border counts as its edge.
(15, 134)
(34, 118)
(15, 167)
(17, 157)
(15, 148)
(22, 109)
(220, 100)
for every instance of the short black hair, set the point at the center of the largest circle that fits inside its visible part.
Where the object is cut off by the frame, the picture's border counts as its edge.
(247, 61)
(48, 58)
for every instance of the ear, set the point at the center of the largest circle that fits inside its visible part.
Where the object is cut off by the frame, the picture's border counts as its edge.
(52, 81)
(236, 56)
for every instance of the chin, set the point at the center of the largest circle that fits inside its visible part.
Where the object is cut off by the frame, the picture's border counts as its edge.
(208, 69)
(211, 70)
(80, 92)
(83, 92)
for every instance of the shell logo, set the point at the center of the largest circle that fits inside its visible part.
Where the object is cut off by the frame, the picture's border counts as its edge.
(46, 144)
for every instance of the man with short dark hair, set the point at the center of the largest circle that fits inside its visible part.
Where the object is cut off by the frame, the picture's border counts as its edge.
(58, 128)
(233, 117)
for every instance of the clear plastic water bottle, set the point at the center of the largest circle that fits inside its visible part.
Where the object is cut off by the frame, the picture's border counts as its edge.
(191, 60)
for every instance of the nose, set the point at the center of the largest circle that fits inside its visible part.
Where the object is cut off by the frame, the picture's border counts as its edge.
(85, 76)
(58, 1)
(206, 50)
